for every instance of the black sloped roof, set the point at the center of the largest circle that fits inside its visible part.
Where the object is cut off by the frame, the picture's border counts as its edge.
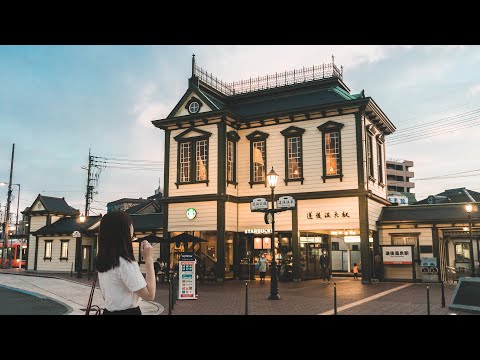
(458, 195)
(428, 213)
(291, 101)
(54, 205)
(67, 225)
(135, 209)
(147, 222)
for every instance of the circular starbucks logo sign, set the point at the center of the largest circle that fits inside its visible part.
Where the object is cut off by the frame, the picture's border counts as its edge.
(191, 213)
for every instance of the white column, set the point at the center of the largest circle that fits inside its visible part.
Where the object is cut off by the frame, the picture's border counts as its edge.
(348, 256)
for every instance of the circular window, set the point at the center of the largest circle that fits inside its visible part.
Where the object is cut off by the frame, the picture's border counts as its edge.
(193, 107)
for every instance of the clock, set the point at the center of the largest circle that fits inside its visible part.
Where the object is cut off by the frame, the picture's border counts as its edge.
(191, 213)
(193, 107)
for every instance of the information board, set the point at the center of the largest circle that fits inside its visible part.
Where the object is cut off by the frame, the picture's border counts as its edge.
(186, 277)
(466, 296)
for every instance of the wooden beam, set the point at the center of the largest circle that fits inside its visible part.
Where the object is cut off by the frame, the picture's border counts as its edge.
(179, 125)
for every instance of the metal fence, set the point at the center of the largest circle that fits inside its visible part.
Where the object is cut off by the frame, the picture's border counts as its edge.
(285, 78)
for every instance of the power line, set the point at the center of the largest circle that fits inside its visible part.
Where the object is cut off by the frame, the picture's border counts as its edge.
(462, 172)
(437, 121)
(421, 136)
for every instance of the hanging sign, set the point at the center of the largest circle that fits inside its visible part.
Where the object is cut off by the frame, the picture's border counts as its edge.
(285, 202)
(76, 234)
(259, 204)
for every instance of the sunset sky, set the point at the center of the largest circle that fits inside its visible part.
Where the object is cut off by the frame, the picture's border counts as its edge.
(56, 102)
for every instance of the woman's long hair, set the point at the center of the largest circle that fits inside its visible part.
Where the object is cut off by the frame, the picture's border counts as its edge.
(114, 240)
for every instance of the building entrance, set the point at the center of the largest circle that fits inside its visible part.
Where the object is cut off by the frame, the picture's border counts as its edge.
(311, 247)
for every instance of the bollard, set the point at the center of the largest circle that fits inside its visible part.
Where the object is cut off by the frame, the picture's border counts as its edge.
(170, 296)
(246, 298)
(334, 298)
(71, 271)
(174, 292)
(428, 300)
(443, 294)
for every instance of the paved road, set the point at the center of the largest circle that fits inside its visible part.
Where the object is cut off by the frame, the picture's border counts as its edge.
(304, 298)
(18, 303)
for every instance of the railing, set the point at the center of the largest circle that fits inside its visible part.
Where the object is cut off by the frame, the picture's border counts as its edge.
(291, 77)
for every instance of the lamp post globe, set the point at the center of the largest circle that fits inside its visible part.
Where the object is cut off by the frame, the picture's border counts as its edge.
(272, 178)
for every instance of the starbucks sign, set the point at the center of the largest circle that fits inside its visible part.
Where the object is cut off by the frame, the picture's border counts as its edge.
(191, 213)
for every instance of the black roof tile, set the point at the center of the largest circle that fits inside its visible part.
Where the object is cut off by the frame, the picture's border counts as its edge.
(147, 222)
(428, 213)
(67, 225)
(458, 195)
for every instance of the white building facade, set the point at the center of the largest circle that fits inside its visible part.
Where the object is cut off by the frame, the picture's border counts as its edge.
(326, 144)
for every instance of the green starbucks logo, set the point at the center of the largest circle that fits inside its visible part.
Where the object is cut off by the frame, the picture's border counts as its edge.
(191, 213)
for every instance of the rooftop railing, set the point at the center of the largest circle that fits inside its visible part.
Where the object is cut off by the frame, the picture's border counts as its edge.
(297, 76)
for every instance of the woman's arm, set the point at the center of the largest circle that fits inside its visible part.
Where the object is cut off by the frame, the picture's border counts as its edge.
(148, 292)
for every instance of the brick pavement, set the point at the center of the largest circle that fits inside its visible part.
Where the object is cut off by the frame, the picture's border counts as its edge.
(303, 298)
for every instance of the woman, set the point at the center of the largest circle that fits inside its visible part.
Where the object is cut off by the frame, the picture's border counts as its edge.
(121, 282)
(262, 267)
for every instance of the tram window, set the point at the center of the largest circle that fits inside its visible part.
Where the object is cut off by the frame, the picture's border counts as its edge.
(335, 245)
(355, 247)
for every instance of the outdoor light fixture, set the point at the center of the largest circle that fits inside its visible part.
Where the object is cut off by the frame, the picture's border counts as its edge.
(82, 218)
(272, 178)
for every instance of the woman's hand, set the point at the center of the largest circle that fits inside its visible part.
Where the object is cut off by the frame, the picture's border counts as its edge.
(146, 249)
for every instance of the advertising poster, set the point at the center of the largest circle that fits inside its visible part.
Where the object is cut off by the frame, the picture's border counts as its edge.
(398, 255)
(186, 277)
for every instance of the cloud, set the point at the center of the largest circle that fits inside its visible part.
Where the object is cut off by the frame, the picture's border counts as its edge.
(233, 63)
(474, 90)
(147, 107)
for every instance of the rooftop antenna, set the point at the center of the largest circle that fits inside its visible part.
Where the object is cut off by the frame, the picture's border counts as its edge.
(193, 64)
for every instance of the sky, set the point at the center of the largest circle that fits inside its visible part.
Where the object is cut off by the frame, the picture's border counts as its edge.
(57, 102)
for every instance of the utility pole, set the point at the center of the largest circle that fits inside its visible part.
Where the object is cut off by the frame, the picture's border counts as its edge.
(5, 227)
(89, 194)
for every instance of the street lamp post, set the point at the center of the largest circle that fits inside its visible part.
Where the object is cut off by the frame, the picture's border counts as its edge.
(272, 178)
(469, 209)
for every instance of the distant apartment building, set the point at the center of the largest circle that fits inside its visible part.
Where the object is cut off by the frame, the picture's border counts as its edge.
(398, 181)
